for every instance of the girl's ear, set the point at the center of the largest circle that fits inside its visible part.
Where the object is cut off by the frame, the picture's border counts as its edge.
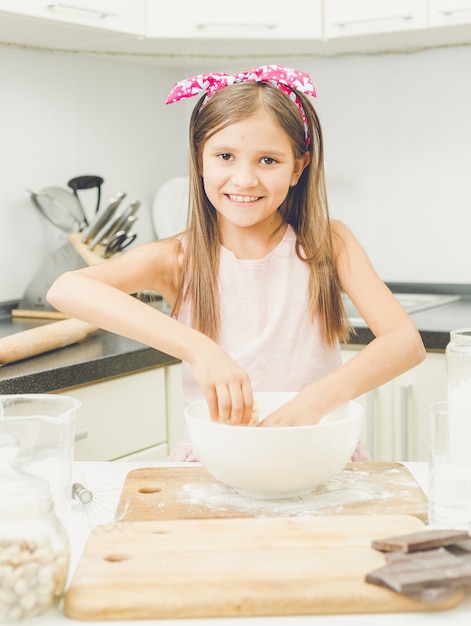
(299, 166)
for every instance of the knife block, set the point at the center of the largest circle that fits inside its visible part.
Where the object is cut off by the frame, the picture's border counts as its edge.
(91, 257)
(36, 290)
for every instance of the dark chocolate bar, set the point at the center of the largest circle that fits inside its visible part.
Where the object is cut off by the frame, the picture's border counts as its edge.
(421, 540)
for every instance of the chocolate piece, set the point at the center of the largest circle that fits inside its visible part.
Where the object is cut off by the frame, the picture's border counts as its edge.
(427, 575)
(421, 540)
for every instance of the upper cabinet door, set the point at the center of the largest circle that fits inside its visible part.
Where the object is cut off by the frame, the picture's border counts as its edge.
(246, 19)
(126, 16)
(445, 12)
(344, 18)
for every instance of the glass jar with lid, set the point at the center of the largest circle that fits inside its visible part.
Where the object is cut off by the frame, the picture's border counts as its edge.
(458, 366)
(34, 547)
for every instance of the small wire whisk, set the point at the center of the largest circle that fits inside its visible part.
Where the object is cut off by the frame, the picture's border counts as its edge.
(81, 493)
(99, 505)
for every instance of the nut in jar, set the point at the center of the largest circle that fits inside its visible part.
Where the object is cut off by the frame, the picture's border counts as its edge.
(34, 548)
(32, 575)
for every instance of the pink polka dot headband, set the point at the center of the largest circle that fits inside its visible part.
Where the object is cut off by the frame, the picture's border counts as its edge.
(285, 78)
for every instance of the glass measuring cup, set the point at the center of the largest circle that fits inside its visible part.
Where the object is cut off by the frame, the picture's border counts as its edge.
(44, 427)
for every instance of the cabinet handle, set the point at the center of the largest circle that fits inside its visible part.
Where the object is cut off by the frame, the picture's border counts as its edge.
(218, 23)
(81, 434)
(452, 10)
(76, 7)
(372, 18)
(405, 391)
(370, 423)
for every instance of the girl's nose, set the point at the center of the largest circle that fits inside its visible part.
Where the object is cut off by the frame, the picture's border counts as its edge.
(244, 176)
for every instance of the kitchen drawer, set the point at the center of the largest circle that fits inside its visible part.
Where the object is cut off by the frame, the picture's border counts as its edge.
(120, 416)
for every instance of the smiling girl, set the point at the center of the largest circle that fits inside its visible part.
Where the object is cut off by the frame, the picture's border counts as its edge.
(255, 281)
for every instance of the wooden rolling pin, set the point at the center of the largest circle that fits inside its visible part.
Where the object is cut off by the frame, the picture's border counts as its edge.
(27, 343)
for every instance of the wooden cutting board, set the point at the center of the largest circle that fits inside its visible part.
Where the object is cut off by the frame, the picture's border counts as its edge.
(197, 568)
(191, 492)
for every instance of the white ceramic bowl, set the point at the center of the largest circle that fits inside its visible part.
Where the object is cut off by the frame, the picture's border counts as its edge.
(278, 461)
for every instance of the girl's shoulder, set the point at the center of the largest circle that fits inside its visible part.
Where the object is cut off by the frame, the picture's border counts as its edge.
(338, 228)
(342, 236)
(346, 247)
(165, 252)
(175, 242)
(350, 257)
(160, 262)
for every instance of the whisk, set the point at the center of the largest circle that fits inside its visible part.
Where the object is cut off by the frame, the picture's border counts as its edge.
(99, 505)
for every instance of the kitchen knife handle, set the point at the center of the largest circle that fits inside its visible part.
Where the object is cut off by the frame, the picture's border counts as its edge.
(126, 220)
(28, 343)
(104, 218)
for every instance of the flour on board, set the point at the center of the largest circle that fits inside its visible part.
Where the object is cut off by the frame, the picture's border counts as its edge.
(347, 489)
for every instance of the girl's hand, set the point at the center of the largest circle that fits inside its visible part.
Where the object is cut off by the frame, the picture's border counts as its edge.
(300, 411)
(226, 386)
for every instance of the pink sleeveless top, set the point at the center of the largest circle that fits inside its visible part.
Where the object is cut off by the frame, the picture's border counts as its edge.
(265, 322)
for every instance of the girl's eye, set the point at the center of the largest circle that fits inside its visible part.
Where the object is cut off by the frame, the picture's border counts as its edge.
(268, 160)
(225, 156)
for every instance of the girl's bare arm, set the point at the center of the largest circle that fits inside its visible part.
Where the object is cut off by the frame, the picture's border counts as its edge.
(397, 345)
(100, 295)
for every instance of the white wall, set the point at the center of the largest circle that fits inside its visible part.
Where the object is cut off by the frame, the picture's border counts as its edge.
(64, 115)
(397, 131)
(398, 155)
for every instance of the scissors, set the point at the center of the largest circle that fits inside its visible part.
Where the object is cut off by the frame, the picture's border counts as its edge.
(118, 242)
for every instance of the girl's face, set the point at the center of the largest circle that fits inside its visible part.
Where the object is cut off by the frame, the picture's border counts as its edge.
(247, 169)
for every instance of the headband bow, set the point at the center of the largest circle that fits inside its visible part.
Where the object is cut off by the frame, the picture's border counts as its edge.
(285, 78)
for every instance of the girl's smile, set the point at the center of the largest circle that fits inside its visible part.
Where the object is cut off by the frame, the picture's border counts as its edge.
(243, 199)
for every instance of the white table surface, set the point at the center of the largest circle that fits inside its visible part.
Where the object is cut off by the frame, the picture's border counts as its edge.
(105, 480)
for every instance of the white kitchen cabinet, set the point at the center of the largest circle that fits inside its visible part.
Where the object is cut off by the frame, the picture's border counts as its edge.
(122, 416)
(181, 32)
(396, 415)
(345, 18)
(414, 392)
(136, 417)
(447, 12)
(116, 15)
(263, 19)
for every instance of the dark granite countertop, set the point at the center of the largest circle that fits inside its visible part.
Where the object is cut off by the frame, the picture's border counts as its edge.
(104, 355)
(434, 324)
(100, 356)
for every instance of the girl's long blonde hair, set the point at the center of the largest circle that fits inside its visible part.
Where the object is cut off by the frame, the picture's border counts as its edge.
(305, 208)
